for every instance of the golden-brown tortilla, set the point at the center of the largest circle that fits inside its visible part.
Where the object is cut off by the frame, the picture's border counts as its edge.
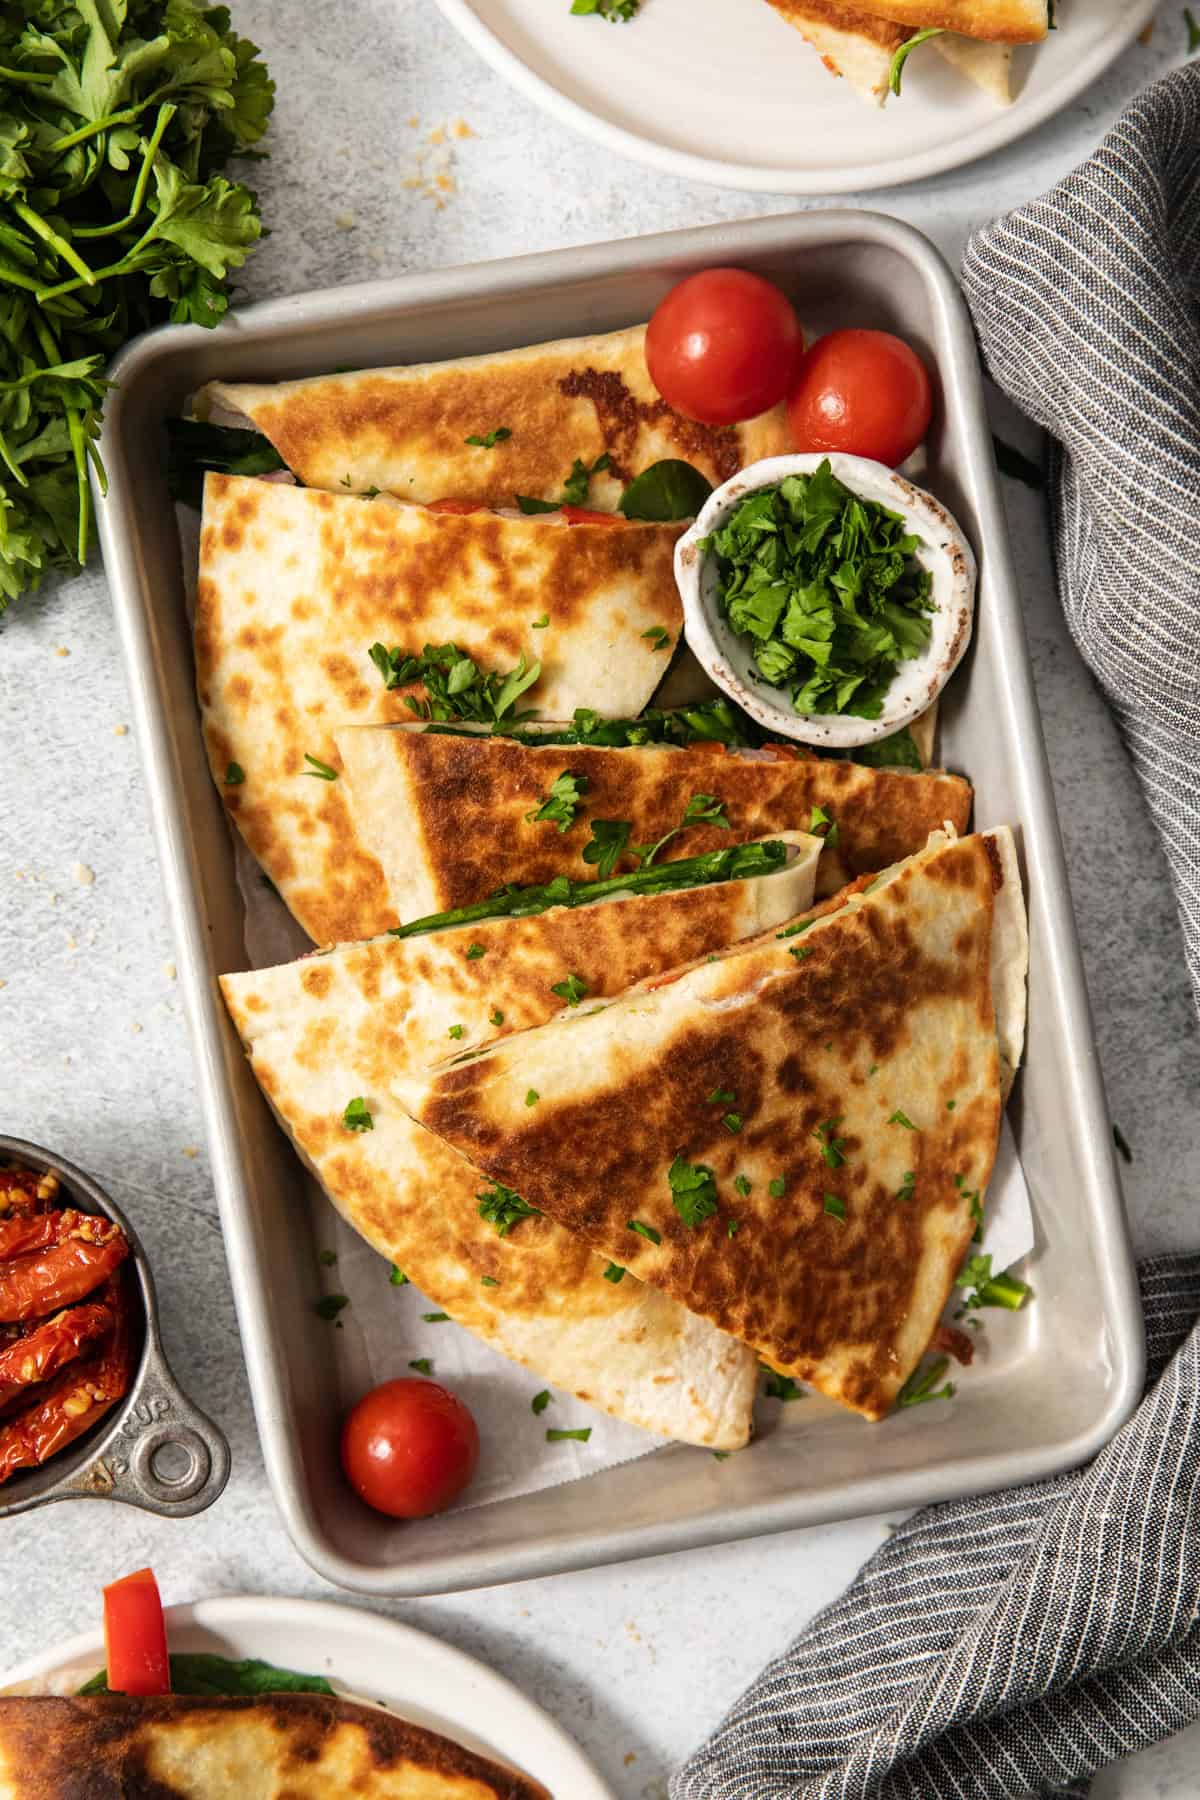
(182, 1747)
(849, 42)
(332, 1028)
(446, 816)
(294, 588)
(996, 21)
(853, 1068)
(405, 429)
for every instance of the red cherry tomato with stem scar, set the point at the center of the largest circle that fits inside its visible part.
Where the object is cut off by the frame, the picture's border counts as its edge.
(865, 393)
(409, 1448)
(724, 346)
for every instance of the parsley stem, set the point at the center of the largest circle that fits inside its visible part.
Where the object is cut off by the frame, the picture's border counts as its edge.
(78, 450)
(18, 280)
(128, 116)
(56, 241)
(166, 113)
(34, 76)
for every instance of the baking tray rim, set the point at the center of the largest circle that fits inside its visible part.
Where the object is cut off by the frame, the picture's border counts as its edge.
(339, 308)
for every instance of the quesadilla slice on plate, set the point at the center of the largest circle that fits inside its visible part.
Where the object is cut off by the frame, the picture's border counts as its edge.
(793, 1141)
(995, 21)
(308, 604)
(452, 817)
(861, 46)
(409, 431)
(307, 1746)
(344, 1026)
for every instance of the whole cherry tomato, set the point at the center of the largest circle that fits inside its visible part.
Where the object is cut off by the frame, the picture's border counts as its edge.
(862, 392)
(723, 346)
(409, 1448)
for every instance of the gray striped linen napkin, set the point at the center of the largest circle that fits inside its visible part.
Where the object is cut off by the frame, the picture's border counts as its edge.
(1013, 1644)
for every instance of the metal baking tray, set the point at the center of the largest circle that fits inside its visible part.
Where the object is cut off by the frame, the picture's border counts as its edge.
(154, 1449)
(1058, 1379)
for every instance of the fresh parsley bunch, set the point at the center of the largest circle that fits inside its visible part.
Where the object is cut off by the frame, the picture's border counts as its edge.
(116, 117)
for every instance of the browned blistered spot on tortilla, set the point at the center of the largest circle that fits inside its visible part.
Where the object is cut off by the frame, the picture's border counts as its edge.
(312, 1745)
(316, 979)
(623, 417)
(472, 797)
(800, 1287)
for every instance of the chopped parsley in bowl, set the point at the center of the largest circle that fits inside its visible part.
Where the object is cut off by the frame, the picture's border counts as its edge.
(827, 595)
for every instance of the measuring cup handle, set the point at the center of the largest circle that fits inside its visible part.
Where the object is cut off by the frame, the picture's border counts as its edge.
(165, 1455)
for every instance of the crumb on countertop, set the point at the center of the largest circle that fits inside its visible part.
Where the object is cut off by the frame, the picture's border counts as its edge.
(83, 875)
(61, 650)
(170, 971)
(191, 1151)
(134, 1025)
(120, 731)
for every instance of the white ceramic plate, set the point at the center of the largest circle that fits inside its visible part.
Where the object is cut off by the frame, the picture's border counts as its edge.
(726, 91)
(424, 1680)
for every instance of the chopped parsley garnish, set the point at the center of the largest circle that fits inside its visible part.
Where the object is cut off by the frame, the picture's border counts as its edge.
(580, 1435)
(828, 588)
(617, 12)
(614, 1273)
(540, 624)
(693, 1191)
(610, 840)
(327, 1258)
(719, 1097)
(496, 1017)
(742, 1185)
(234, 775)
(737, 863)
(732, 1227)
(646, 1231)
(532, 1096)
(922, 1385)
(422, 1364)
(541, 1401)
(721, 1455)
(475, 951)
(572, 990)
(899, 1118)
(455, 1031)
(1003, 1290)
(950, 1105)
(561, 803)
(575, 487)
(908, 1186)
(795, 930)
(504, 1209)
(490, 439)
(321, 771)
(780, 1387)
(397, 1277)
(488, 1281)
(831, 1145)
(777, 1187)
(974, 1202)
(1193, 31)
(732, 1121)
(799, 952)
(330, 1305)
(656, 637)
(356, 1116)
(436, 1318)
(818, 817)
(835, 1206)
(455, 686)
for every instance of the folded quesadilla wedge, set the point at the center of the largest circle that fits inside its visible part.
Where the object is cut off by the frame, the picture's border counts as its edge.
(448, 816)
(345, 1025)
(793, 1141)
(307, 1746)
(995, 21)
(861, 47)
(407, 430)
(295, 588)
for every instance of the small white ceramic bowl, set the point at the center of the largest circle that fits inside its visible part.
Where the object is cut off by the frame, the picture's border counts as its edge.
(729, 658)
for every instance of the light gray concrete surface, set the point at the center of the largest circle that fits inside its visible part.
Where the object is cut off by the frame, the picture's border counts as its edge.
(638, 1661)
